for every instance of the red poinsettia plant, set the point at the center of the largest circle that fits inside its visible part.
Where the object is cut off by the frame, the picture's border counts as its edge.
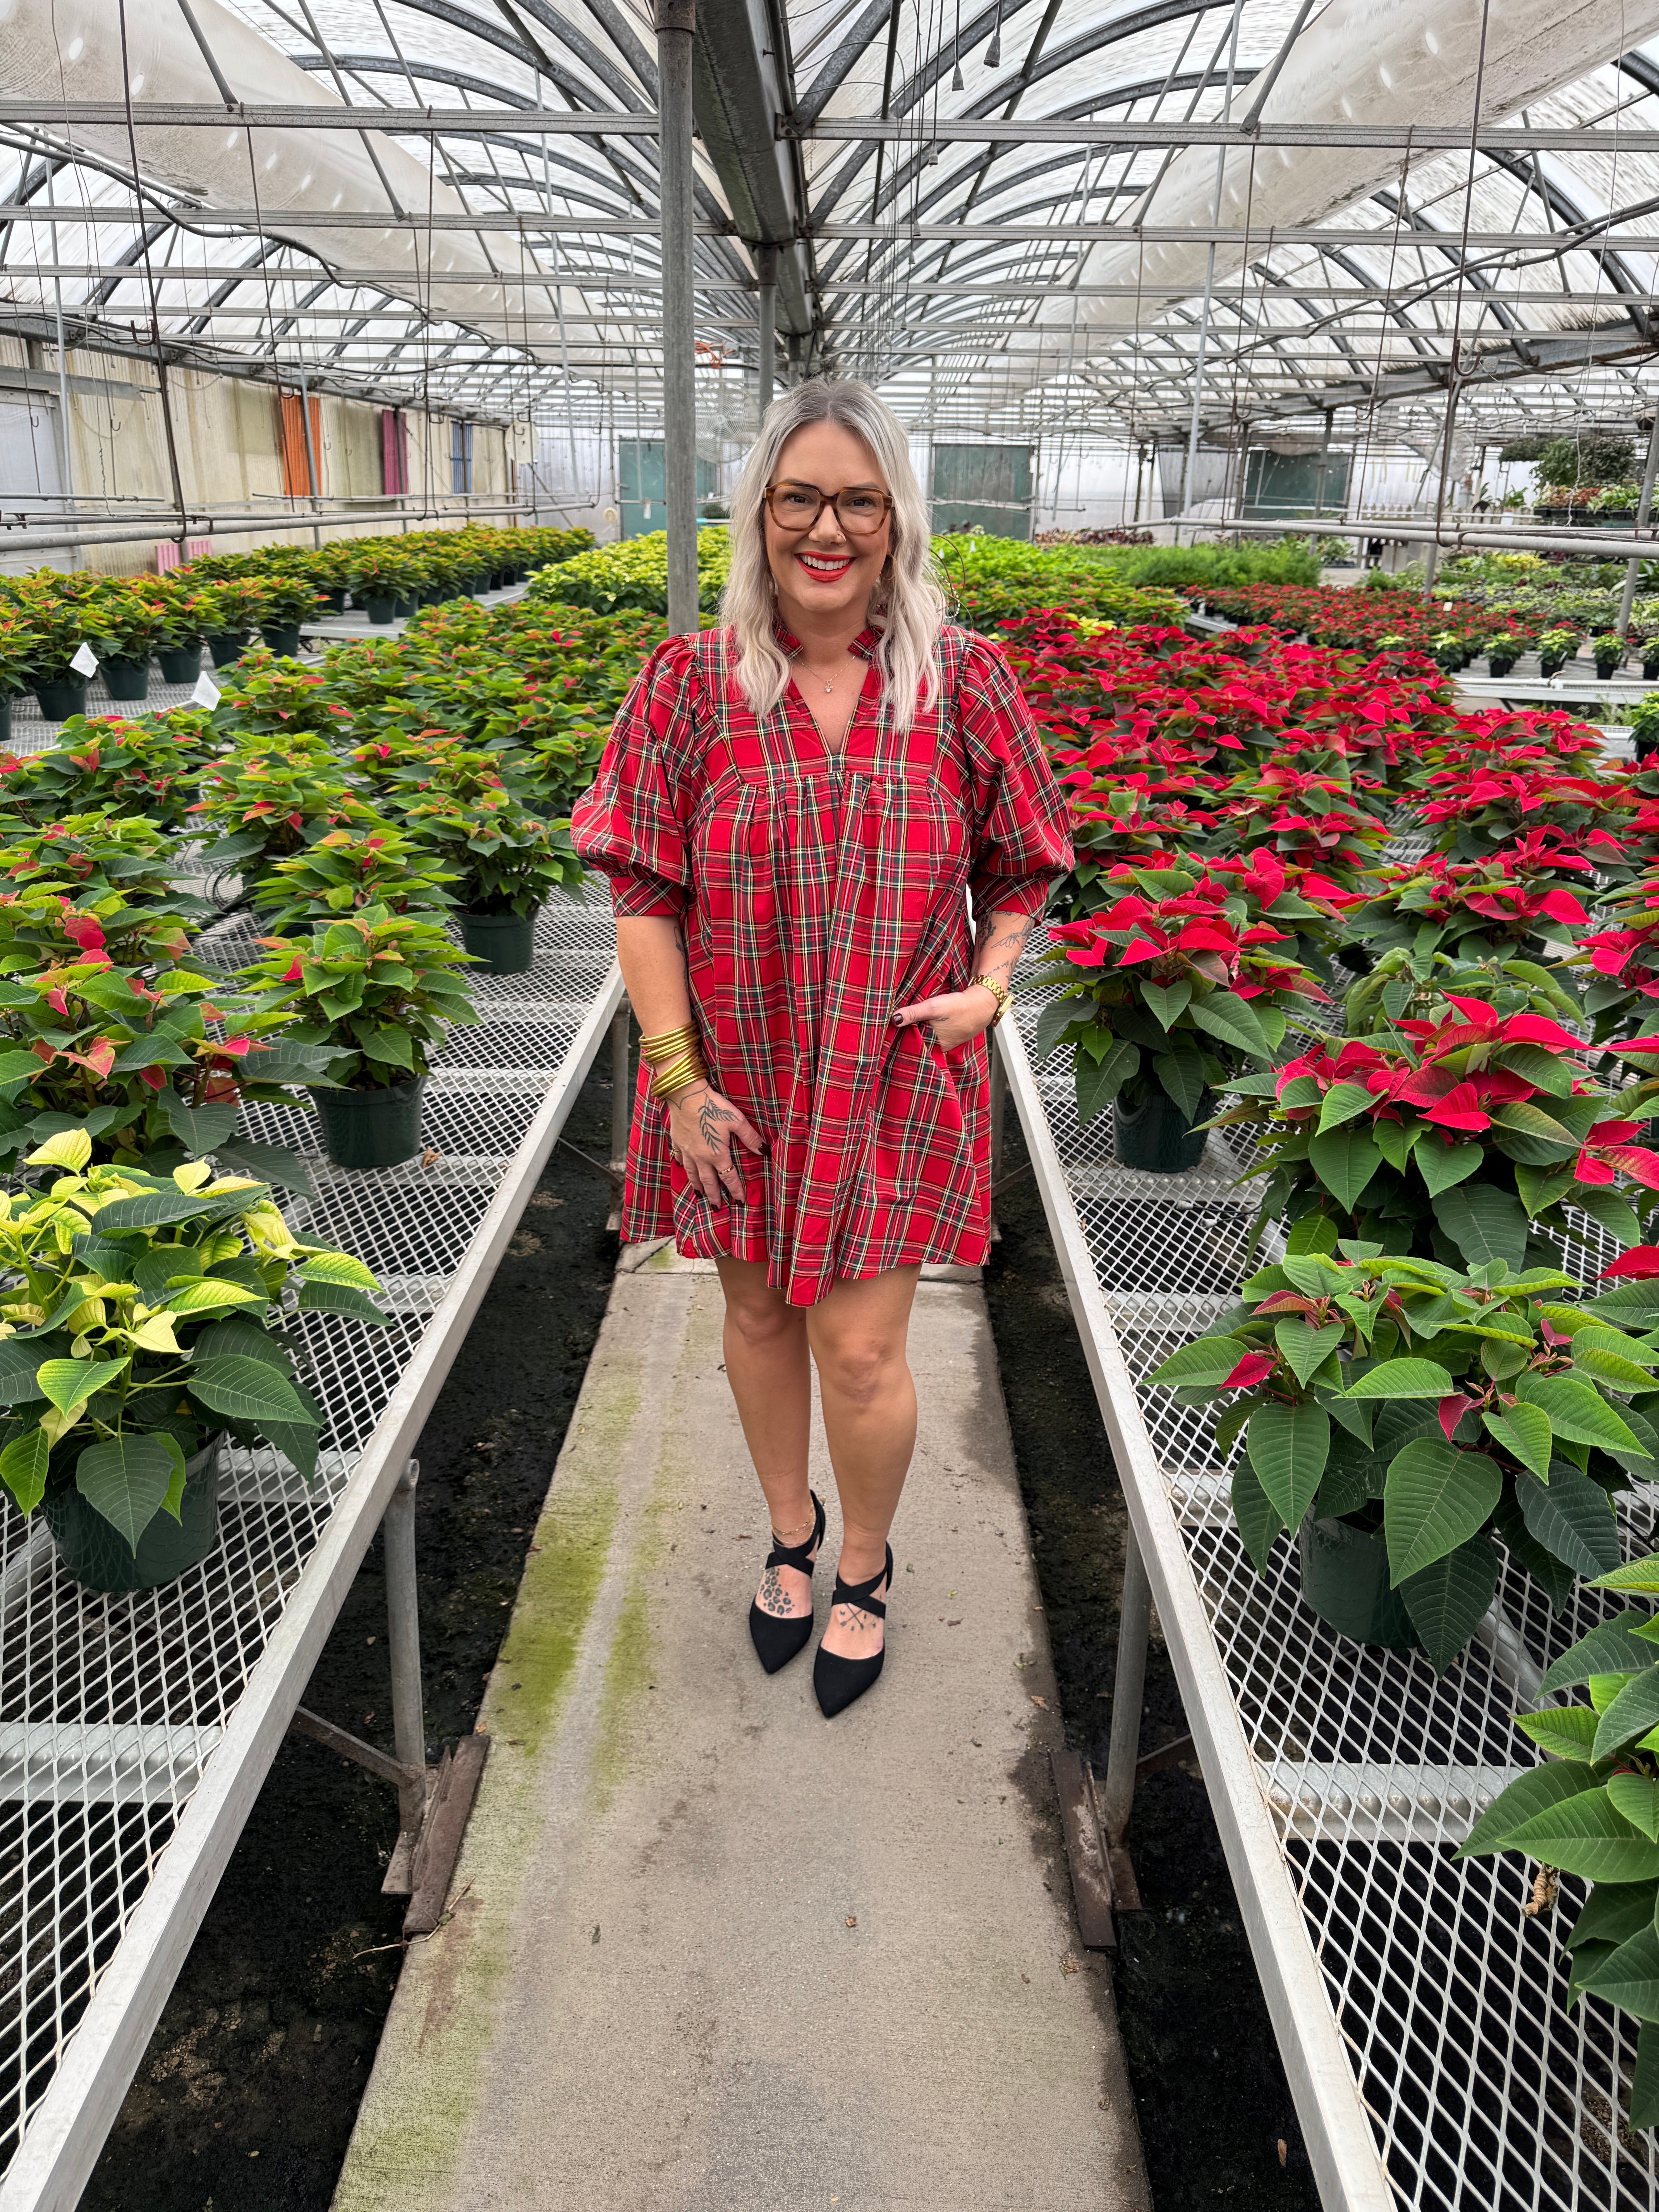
(1456, 1140)
(1181, 981)
(1513, 902)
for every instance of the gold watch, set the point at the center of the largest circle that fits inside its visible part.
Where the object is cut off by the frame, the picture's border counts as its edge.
(1000, 992)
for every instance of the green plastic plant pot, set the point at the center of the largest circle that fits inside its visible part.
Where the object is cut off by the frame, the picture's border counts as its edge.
(60, 698)
(380, 609)
(505, 943)
(98, 1556)
(372, 1128)
(1156, 1136)
(226, 646)
(282, 637)
(127, 679)
(1345, 1580)
(181, 664)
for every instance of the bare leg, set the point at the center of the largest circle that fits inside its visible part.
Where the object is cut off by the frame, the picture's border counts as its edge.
(766, 1364)
(857, 1334)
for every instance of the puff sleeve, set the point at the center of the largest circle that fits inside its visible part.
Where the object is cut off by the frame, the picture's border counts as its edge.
(1022, 840)
(629, 824)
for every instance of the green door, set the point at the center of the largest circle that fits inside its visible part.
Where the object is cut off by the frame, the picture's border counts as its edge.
(990, 485)
(642, 481)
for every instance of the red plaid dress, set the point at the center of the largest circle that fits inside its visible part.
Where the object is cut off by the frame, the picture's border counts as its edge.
(816, 892)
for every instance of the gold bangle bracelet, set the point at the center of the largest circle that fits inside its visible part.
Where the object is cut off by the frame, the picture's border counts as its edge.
(679, 1079)
(1000, 992)
(666, 1045)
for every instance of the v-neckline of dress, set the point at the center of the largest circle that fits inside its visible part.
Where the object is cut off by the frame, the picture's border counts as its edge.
(863, 646)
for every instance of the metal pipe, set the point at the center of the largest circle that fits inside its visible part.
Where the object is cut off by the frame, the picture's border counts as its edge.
(41, 541)
(1627, 597)
(621, 1090)
(1134, 1624)
(766, 267)
(403, 1617)
(676, 25)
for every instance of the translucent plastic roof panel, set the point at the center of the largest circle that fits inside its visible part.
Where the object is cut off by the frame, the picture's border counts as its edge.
(999, 286)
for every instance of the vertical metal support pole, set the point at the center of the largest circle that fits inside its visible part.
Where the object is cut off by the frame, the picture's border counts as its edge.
(675, 25)
(1133, 1627)
(766, 269)
(313, 478)
(1324, 467)
(1643, 507)
(622, 1106)
(999, 1102)
(403, 1613)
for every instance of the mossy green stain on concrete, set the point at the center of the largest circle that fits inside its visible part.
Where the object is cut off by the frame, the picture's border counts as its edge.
(565, 1567)
(632, 1657)
(410, 2160)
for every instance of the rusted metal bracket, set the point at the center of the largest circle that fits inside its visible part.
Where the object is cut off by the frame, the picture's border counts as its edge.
(433, 1801)
(1103, 1880)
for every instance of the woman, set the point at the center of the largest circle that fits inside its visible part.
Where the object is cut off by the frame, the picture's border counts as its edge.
(791, 809)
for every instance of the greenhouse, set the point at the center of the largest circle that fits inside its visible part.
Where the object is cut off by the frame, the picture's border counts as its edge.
(849, 784)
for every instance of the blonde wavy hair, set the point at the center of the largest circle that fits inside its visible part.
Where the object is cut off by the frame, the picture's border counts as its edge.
(908, 605)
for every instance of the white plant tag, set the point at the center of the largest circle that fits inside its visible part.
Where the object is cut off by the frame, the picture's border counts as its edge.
(206, 693)
(85, 660)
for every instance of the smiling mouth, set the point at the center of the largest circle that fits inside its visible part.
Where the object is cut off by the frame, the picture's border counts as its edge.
(828, 565)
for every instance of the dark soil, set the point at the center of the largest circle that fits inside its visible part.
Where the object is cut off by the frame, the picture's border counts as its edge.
(1215, 2110)
(246, 2096)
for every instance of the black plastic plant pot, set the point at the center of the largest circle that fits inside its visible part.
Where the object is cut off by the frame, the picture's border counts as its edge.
(505, 943)
(406, 602)
(226, 646)
(1606, 670)
(181, 664)
(127, 679)
(1499, 664)
(1345, 1580)
(335, 602)
(380, 608)
(1650, 668)
(1551, 664)
(97, 1554)
(282, 638)
(63, 697)
(1157, 1137)
(5, 719)
(372, 1128)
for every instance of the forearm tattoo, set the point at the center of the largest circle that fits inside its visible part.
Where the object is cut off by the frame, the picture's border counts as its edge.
(998, 948)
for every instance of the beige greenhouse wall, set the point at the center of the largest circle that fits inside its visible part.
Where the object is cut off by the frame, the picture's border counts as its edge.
(228, 431)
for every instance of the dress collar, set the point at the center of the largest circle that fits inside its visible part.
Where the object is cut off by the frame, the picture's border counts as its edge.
(864, 644)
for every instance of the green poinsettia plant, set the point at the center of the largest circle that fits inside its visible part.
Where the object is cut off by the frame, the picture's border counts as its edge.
(95, 854)
(376, 992)
(107, 1027)
(1591, 1811)
(103, 764)
(343, 871)
(1403, 988)
(1436, 1407)
(1179, 983)
(500, 858)
(140, 1317)
(269, 802)
(1456, 1139)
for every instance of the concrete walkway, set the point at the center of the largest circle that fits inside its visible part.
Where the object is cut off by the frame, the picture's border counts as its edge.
(708, 1953)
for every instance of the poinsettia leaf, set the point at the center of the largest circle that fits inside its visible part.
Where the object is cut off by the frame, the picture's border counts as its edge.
(1527, 1796)
(127, 1479)
(1448, 1600)
(1562, 1731)
(1288, 1447)
(1258, 1518)
(1443, 1166)
(1485, 1224)
(1345, 1160)
(1436, 1498)
(1571, 1516)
